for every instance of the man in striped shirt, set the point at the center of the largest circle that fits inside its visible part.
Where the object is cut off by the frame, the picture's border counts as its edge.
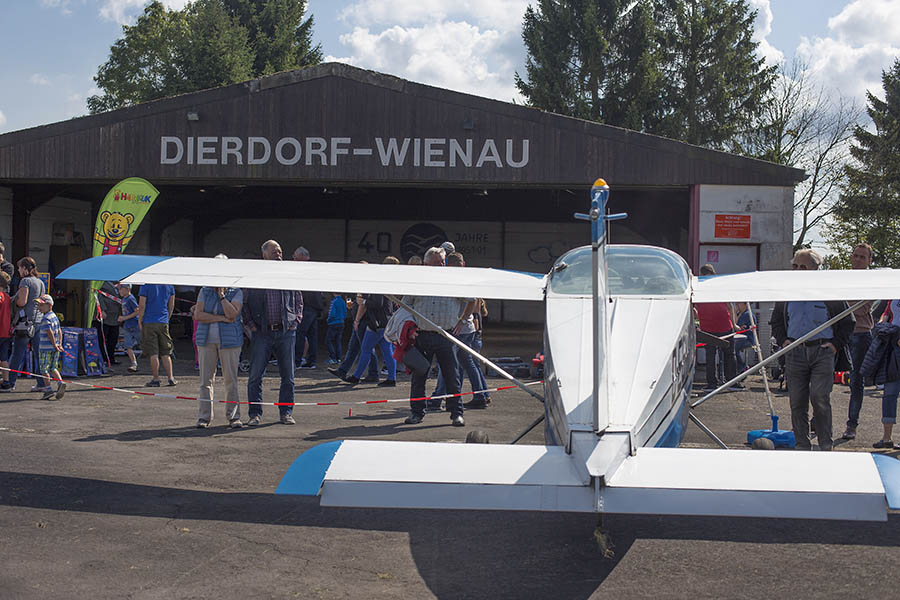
(448, 314)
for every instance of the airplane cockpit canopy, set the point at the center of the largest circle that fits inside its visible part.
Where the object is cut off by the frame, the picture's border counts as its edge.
(631, 271)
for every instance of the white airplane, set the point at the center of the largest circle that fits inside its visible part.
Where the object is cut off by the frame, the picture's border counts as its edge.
(619, 362)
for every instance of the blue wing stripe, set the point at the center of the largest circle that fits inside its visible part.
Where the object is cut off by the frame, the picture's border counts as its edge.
(889, 469)
(305, 476)
(112, 267)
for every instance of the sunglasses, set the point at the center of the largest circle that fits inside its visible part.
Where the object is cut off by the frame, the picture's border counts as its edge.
(795, 266)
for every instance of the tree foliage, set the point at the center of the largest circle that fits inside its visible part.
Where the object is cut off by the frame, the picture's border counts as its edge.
(209, 43)
(869, 208)
(685, 69)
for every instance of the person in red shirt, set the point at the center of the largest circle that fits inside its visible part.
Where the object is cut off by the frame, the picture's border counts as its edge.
(717, 318)
(6, 334)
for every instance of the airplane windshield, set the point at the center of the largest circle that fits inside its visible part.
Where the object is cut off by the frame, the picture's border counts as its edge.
(632, 271)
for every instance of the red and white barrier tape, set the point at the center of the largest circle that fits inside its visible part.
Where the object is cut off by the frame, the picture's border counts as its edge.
(357, 403)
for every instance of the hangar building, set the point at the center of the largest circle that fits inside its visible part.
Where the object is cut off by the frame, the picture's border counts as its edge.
(356, 165)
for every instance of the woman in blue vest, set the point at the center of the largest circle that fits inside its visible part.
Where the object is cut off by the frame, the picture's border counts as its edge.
(219, 339)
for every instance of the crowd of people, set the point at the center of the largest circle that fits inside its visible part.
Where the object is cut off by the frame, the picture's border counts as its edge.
(855, 344)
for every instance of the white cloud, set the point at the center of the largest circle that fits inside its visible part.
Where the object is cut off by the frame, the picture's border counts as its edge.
(762, 27)
(453, 55)
(2, 119)
(38, 79)
(62, 5)
(125, 11)
(862, 43)
(465, 45)
(503, 15)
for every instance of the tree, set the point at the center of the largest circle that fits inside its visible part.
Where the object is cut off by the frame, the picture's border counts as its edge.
(714, 83)
(869, 208)
(143, 64)
(207, 44)
(686, 69)
(808, 126)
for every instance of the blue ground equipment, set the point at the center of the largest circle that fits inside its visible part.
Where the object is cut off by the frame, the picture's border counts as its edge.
(779, 437)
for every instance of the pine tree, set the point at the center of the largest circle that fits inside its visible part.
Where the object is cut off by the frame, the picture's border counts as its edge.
(869, 208)
(714, 84)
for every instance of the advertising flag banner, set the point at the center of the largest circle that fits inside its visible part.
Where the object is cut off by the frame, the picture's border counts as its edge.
(122, 211)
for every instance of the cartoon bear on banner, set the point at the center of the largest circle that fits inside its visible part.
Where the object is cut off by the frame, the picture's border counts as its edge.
(115, 228)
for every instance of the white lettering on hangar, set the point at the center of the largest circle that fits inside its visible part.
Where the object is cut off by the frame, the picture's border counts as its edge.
(328, 152)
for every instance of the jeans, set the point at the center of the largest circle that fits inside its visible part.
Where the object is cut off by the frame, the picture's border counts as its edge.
(889, 401)
(308, 331)
(262, 345)
(367, 353)
(739, 346)
(859, 344)
(17, 360)
(468, 367)
(353, 347)
(432, 344)
(726, 355)
(810, 376)
(333, 341)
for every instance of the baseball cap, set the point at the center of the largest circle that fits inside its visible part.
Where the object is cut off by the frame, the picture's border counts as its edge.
(45, 299)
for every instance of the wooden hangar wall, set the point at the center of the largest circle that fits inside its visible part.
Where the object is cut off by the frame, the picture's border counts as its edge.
(356, 165)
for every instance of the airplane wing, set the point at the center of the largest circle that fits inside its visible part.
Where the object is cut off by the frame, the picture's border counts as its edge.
(774, 286)
(668, 481)
(400, 280)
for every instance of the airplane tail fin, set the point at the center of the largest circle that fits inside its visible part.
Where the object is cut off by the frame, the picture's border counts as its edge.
(440, 475)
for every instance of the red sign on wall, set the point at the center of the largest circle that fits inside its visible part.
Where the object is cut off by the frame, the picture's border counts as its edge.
(733, 227)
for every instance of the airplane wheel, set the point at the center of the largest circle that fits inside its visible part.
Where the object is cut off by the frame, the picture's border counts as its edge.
(477, 436)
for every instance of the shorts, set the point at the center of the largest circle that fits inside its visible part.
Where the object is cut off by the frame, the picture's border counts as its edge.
(5, 348)
(130, 338)
(48, 361)
(155, 340)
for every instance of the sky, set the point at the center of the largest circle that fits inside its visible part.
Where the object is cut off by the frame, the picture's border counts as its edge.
(50, 49)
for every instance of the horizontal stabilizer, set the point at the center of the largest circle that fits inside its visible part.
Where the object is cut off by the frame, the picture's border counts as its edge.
(400, 280)
(440, 475)
(775, 286)
(745, 483)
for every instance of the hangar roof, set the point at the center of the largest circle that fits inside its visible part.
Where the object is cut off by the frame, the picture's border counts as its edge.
(337, 124)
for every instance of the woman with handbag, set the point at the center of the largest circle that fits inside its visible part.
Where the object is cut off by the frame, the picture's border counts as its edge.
(24, 320)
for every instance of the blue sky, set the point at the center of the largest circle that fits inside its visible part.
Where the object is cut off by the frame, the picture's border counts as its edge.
(50, 49)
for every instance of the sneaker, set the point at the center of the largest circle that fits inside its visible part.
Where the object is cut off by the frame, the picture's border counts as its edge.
(48, 395)
(736, 388)
(388, 383)
(414, 419)
(133, 368)
(384, 371)
(433, 407)
(475, 403)
(4, 386)
(172, 383)
(883, 445)
(152, 383)
(340, 374)
(202, 424)
(306, 365)
(849, 433)
(60, 390)
(253, 422)
(40, 388)
(288, 420)
(370, 380)
(458, 421)
(351, 379)
(235, 424)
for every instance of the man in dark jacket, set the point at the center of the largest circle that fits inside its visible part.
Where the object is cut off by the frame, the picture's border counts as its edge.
(810, 366)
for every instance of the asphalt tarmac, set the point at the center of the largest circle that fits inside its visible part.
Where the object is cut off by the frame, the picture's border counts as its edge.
(112, 495)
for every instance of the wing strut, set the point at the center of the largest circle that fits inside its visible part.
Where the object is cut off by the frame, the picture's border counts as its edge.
(777, 355)
(462, 346)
